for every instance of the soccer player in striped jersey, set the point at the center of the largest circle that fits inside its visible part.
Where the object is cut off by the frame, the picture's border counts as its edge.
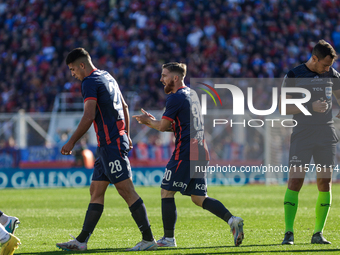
(183, 116)
(104, 105)
(314, 136)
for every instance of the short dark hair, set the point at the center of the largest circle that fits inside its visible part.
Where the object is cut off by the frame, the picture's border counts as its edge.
(323, 49)
(175, 67)
(75, 54)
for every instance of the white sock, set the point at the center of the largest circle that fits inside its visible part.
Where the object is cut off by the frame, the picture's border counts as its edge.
(3, 219)
(231, 220)
(4, 235)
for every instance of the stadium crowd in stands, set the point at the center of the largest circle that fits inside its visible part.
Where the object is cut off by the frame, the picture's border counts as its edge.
(131, 38)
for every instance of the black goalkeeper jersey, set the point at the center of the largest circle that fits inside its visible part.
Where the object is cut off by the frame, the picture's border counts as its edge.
(321, 87)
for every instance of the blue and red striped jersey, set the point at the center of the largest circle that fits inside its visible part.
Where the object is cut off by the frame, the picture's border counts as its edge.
(109, 122)
(184, 111)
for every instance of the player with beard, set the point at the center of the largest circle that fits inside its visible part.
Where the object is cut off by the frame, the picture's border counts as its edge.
(183, 118)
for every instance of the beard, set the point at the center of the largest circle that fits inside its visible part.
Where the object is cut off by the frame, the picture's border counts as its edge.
(168, 88)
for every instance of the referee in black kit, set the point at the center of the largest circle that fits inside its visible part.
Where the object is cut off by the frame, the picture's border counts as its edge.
(314, 135)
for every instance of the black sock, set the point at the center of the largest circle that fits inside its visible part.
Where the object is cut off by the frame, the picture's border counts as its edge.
(92, 217)
(1, 213)
(169, 216)
(138, 212)
(216, 207)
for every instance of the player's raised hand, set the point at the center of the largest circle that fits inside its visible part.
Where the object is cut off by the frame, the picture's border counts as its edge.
(144, 118)
(320, 106)
(149, 114)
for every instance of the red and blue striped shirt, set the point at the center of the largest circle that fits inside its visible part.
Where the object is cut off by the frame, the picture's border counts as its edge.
(184, 111)
(109, 122)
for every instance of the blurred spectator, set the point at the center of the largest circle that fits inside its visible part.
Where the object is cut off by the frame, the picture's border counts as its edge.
(132, 38)
(83, 157)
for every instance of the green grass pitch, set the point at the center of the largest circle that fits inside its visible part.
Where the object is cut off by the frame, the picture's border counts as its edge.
(48, 216)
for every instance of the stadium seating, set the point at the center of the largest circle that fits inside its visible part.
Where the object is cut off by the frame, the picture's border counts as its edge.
(232, 38)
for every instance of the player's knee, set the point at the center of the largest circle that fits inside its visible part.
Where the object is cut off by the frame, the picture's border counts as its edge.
(92, 190)
(125, 191)
(122, 192)
(295, 184)
(324, 184)
(167, 193)
(197, 200)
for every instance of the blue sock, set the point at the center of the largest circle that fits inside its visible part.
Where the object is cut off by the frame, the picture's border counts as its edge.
(169, 216)
(216, 207)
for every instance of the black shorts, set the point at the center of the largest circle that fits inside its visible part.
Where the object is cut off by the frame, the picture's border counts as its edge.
(177, 178)
(112, 165)
(318, 142)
